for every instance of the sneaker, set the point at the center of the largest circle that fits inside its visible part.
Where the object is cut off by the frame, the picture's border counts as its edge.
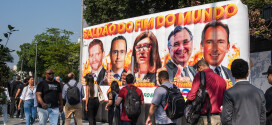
(21, 119)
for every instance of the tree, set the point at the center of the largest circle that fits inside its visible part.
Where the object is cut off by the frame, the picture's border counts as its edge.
(54, 51)
(5, 55)
(102, 11)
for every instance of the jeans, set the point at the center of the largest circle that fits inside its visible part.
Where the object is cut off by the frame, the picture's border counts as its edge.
(30, 111)
(128, 122)
(52, 113)
(5, 113)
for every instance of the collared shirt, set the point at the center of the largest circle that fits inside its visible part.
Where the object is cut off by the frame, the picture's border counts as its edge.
(215, 85)
(222, 71)
(72, 83)
(97, 73)
(29, 93)
(119, 73)
(159, 99)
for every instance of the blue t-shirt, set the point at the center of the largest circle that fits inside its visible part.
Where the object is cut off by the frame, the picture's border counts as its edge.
(159, 99)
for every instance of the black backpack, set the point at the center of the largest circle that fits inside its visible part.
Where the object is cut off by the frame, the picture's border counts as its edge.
(175, 102)
(73, 94)
(132, 103)
(193, 108)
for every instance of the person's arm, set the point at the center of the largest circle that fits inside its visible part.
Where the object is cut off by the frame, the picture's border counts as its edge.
(153, 108)
(195, 85)
(118, 101)
(87, 97)
(263, 110)
(19, 105)
(17, 93)
(227, 112)
(110, 101)
(61, 102)
(39, 99)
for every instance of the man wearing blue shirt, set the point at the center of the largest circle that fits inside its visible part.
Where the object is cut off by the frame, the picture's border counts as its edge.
(73, 109)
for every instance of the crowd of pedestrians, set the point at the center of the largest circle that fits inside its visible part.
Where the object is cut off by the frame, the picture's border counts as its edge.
(52, 99)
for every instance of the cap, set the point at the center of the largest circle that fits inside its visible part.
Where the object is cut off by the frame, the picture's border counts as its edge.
(269, 71)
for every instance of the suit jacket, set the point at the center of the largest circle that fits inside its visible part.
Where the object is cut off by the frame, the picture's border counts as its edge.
(243, 104)
(228, 74)
(101, 76)
(172, 70)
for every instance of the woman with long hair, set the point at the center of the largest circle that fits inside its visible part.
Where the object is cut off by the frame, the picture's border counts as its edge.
(112, 96)
(30, 102)
(146, 55)
(92, 103)
(4, 99)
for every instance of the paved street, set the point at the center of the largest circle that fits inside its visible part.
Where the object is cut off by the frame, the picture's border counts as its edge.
(17, 121)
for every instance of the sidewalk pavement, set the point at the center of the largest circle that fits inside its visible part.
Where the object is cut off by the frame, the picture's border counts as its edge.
(17, 121)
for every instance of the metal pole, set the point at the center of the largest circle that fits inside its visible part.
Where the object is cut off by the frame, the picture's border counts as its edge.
(81, 41)
(35, 76)
(22, 69)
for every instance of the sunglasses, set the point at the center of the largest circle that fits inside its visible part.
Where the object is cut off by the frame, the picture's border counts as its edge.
(51, 73)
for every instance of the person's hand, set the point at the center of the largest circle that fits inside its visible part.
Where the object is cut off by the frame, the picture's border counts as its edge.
(148, 121)
(86, 108)
(60, 108)
(123, 78)
(44, 106)
(109, 76)
(106, 107)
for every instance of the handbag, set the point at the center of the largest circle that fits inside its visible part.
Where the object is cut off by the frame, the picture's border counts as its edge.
(100, 95)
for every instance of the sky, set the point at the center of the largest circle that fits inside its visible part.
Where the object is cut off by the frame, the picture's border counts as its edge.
(33, 17)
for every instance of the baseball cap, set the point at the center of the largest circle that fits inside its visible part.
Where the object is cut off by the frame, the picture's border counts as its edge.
(269, 71)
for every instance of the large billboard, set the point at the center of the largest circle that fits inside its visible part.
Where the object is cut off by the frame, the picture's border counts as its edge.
(175, 40)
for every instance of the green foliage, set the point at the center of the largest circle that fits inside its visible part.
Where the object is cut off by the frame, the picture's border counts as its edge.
(54, 51)
(5, 54)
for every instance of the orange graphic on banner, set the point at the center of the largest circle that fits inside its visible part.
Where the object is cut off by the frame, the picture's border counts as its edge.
(234, 56)
(195, 58)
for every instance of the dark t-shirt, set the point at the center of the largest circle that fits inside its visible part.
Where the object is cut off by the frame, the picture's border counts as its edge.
(21, 87)
(49, 92)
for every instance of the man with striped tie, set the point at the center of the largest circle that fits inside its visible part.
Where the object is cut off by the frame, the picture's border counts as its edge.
(214, 45)
(180, 45)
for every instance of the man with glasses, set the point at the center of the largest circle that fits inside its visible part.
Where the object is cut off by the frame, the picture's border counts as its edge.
(118, 54)
(180, 45)
(49, 99)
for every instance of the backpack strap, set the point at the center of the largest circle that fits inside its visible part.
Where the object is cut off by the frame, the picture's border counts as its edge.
(167, 89)
(206, 96)
(75, 84)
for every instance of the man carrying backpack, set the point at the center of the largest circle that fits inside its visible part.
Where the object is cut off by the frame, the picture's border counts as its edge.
(73, 92)
(131, 98)
(215, 86)
(160, 101)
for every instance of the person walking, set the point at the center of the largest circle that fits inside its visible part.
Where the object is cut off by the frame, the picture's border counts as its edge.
(215, 86)
(18, 94)
(123, 93)
(268, 97)
(30, 102)
(49, 99)
(4, 101)
(243, 104)
(159, 101)
(112, 96)
(92, 103)
(13, 90)
(73, 92)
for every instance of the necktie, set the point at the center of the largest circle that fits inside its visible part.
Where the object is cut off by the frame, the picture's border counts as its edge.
(116, 76)
(218, 71)
(185, 71)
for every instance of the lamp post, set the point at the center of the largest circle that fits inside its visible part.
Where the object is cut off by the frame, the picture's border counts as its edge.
(35, 76)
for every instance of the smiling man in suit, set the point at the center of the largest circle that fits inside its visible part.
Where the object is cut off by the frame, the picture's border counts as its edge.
(180, 46)
(214, 45)
(96, 55)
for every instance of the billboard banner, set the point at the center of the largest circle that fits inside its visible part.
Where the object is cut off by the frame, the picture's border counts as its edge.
(174, 40)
